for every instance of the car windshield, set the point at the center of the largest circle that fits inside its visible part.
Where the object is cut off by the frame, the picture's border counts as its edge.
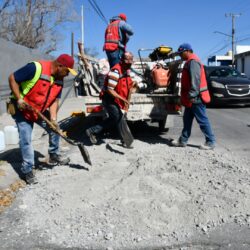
(224, 72)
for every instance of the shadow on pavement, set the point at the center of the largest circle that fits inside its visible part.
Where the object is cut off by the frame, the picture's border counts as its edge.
(14, 158)
(75, 128)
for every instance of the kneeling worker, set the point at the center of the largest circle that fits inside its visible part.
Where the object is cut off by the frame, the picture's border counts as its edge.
(38, 84)
(114, 95)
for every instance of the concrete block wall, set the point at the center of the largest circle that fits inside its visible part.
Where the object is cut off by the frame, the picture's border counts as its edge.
(12, 57)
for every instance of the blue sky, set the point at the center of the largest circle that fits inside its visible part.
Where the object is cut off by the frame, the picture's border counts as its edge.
(157, 22)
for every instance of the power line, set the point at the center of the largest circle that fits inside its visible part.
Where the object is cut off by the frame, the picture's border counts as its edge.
(245, 39)
(226, 45)
(98, 10)
(211, 51)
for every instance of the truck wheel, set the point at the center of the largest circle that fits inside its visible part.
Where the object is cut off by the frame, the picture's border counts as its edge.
(161, 125)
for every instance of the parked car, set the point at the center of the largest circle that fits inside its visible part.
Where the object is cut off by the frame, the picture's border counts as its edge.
(227, 85)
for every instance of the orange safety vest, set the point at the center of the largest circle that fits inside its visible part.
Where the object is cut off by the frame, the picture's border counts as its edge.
(125, 83)
(112, 36)
(43, 93)
(186, 84)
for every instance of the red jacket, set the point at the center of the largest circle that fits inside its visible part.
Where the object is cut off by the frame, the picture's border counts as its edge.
(186, 83)
(112, 36)
(43, 93)
(125, 83)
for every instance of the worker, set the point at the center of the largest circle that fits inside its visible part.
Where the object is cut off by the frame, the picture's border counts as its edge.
(194, 97)
(39, 85)
(117, 35)
(114, 95)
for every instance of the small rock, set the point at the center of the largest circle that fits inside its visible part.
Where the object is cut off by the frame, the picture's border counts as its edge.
(138, 239)
(108, 236)
(23, 206)
(204, 229)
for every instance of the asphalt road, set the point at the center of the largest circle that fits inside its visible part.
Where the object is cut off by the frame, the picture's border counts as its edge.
(231, 126)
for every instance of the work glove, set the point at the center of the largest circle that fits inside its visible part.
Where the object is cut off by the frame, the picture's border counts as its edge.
(21, 104)
(55, 124)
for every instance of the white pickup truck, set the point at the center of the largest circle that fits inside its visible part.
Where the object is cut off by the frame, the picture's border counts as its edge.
(152, 102)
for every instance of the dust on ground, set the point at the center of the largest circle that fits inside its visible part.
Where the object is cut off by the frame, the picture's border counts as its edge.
(148, 197)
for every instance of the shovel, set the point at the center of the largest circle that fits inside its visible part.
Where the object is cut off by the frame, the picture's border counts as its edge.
(80, 145)
(123, 126)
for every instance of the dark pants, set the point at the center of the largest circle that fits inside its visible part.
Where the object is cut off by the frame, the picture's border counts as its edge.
(114, 57)
(197, 111)
(113, 119)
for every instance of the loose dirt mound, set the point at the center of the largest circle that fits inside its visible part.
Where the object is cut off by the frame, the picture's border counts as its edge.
(151, 196)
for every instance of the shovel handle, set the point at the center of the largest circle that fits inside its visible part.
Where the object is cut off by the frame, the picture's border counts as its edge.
(81, 147)
(129, 97)
(80, 48)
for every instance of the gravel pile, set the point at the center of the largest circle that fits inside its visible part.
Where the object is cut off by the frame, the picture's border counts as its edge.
(148, 197)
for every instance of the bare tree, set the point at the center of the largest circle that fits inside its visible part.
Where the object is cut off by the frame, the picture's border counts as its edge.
(5, 5)
(35, 23)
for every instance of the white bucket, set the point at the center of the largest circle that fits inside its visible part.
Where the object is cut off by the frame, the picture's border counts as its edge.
(2, 141)
(11, 135)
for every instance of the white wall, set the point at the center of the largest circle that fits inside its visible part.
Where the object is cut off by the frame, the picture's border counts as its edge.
(247, 65)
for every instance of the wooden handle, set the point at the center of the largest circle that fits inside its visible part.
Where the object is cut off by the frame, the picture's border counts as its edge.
(128, 99)
(83, 57)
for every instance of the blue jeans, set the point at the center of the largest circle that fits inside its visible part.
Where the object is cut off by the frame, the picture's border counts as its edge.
(25, 128)
(199, 112)
(114, 57)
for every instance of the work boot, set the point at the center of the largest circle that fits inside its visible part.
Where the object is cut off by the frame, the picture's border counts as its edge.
(207, 146)
(91, 136)
(125, 146)
(56, 159)
(30, 178)
(178, 143)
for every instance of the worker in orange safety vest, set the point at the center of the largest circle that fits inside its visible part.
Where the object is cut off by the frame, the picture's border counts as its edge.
(39, 85)
(194, 97)
(117, 35)
(115, 97)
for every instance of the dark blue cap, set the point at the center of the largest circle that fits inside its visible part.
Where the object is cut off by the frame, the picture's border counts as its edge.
(184, 47)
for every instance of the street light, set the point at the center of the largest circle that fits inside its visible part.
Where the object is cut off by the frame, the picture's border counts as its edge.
(219, 32)
(222, 33)
(233, 32)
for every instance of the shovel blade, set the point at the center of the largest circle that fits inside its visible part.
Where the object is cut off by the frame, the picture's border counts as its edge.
(84, 153)
(125, 132)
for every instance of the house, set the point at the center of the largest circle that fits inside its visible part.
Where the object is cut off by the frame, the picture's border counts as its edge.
(224, 60)
(242, 59)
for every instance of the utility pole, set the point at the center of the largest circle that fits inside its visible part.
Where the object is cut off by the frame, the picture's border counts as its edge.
(72, 44)
(82, 29)
(233, 34)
